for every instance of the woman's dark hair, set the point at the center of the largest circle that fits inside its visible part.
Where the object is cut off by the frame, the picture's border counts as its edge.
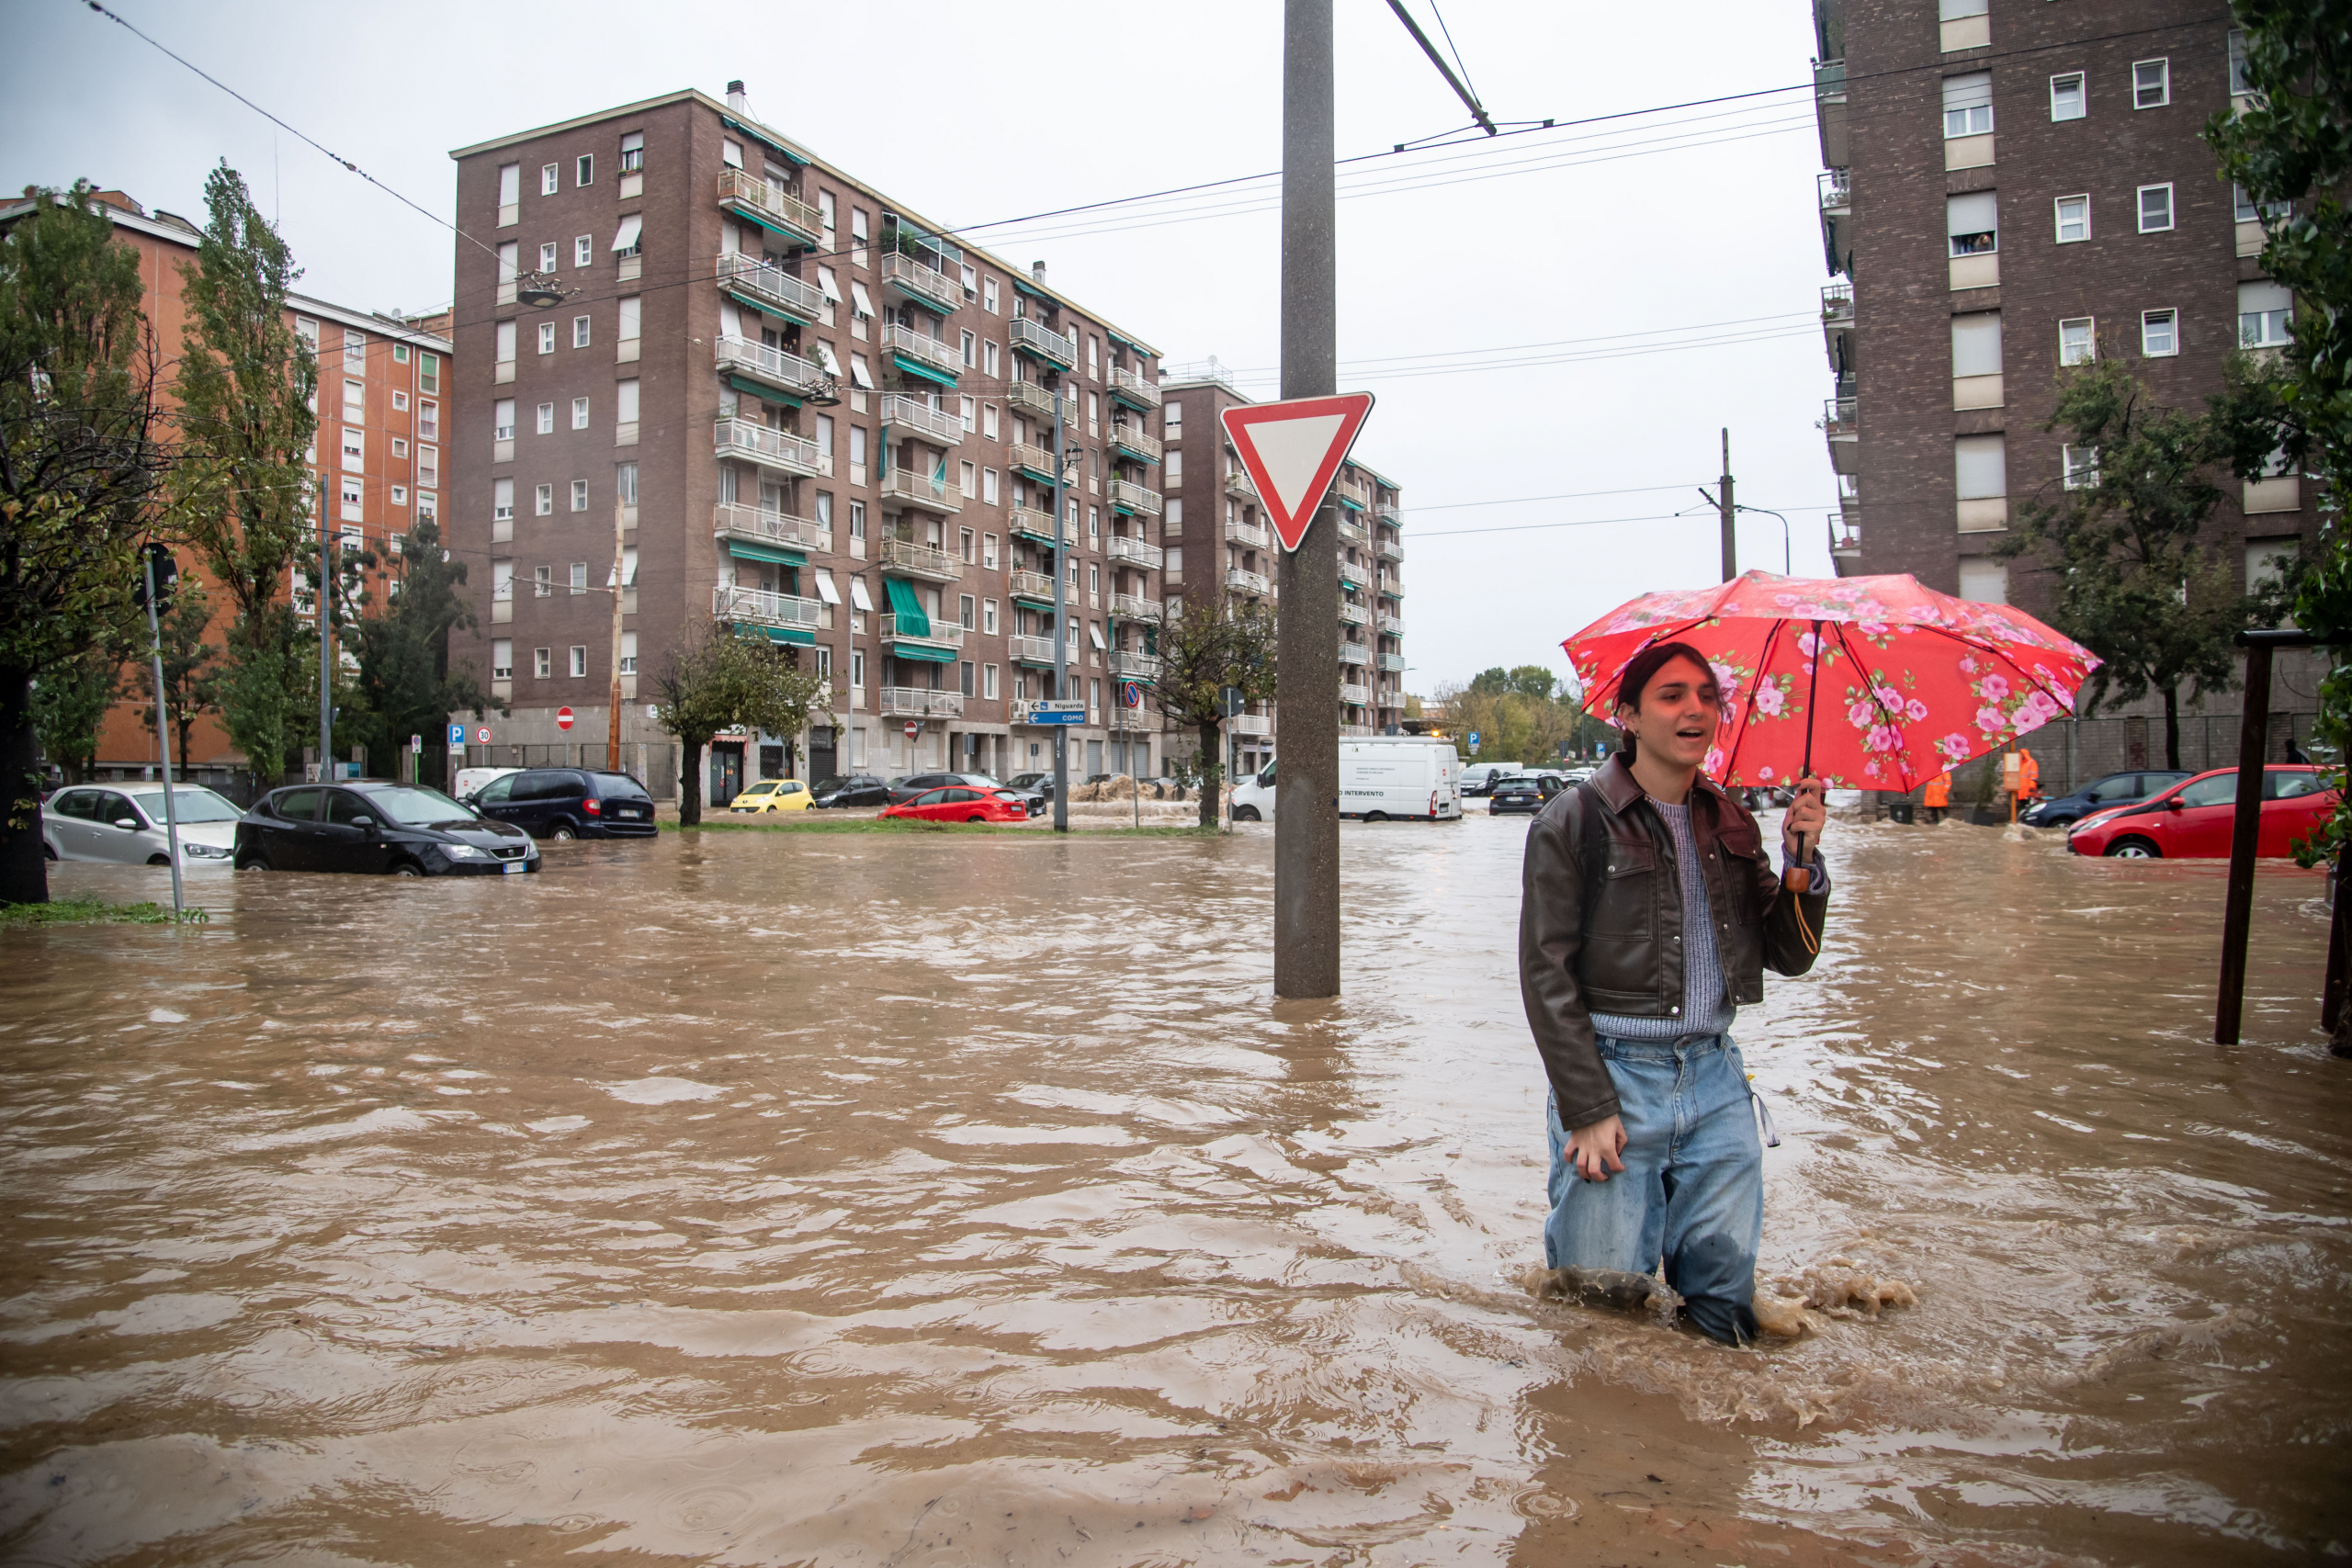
(1642, 669)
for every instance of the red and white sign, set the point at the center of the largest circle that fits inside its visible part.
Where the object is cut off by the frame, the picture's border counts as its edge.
(482, 735)
(914, 727)
(1293, 450)
(563, 719)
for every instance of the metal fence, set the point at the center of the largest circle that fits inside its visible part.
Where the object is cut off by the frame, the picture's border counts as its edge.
(654, 763)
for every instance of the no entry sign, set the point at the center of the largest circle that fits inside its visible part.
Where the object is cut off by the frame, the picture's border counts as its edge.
(914, 727)
(563, 719)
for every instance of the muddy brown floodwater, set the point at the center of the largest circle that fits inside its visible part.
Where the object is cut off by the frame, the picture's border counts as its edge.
(879, 1200)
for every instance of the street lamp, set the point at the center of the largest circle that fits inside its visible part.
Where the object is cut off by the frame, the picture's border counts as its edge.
(1786, 570)
(539, 291)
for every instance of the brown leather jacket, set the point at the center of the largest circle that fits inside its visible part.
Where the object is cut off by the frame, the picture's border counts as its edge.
(1629, 961)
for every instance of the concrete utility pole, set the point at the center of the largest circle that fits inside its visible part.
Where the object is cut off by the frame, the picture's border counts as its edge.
(620, 590)
(1061, 606)
(1730, 512)
(326, 645)
(1307, 701)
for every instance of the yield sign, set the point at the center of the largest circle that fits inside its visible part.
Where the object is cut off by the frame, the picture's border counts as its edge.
(1293, 450)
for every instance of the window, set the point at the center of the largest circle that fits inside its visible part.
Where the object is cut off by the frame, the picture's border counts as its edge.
(502, 498)
(510, 262)
(861, 374)
(2073, 219)
(583, 170)
(428, 372)
(987, 551)
(550, 178)
(428, 421)
(510, 188)
(857, 446)
(355, 400)
(966, 609)
(964, 677)
(988, 486)
(2079, 466)
(580, 332)
(579, 659)
(546, 507)
(1981, 467)
(579, 495)
(502, 580)
(731, 152)
(2159, 333)
(2239, 82)
(542, 582)
(628, 653)
(400, 402)
(428, 506)
(2067, 97)
(968, 412)
(1172, 419)
(1976, 343)
(631, 319)
(502, 420)
(400, 498)
(583, 250)
(1968, 105)
(825, 216)
(632, 151)
(1175, 470)
(1093, 357)
(857, 519)
(428, 469)
(2251, 211)
(628, 239)
(989, 361)
(970, 356)
(547, 419)
(988, 296)
(857, 236)
(857, 670)
(2266, 562)
(501, 649)
(308, 331)
(547, 337)
(1984, 581)
(2077, 341)
(624, 400)
(624, 482)
(542, 663)
(1973, 223)
(578, 581)
(546, 260)
(988, 681)
(2151, 83)
(2264, 311)
(352, 491)
(861, 302)
(987, 616)
(506, 342)
(989, 421)
(579, 413)
(1171, 517)
(967, 480)
(2155, 209)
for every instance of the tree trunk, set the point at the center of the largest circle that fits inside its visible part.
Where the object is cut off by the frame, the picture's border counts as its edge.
(690, 780)
(2172, 728)
(24, 872)
(1211, 771)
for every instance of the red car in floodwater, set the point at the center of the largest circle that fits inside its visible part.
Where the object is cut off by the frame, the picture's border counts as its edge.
(2194, 817)
(963, 802)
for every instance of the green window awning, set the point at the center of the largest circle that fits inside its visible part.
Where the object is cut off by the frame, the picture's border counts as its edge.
(776, 226)
(914, 367)
(1021, 285)
(772, 554)
(764, 140)
(752, 301)
(912, 620)
(925, 655)
(760, 389)
(791, 635)
(1351, 502)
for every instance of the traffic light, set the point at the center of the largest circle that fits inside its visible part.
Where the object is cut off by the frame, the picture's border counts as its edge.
(156, 559)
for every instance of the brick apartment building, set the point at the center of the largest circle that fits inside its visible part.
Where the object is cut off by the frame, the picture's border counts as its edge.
(823, 420)
(375, 465)
(1213, 512)
(2012, 188)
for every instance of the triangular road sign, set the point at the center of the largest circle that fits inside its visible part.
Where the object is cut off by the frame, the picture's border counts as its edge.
(1293, 450)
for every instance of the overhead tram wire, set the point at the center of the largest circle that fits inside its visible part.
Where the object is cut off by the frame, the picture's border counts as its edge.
(1459, 84)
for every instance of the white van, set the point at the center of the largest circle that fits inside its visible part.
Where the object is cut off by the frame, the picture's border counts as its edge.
(1381, 776)
(470, 781)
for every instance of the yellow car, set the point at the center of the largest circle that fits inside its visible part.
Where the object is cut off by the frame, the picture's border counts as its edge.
(770, 795)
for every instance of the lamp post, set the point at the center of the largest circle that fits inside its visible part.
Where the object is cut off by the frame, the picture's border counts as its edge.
(1786, 570)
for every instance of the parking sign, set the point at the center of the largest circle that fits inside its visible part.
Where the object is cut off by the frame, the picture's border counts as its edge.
(456, 735)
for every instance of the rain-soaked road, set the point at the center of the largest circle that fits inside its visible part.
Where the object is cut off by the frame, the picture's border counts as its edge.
(781, 1199)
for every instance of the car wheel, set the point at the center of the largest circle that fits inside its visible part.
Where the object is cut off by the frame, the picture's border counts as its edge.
(564, 832)
(159, 860)
(406, 868)
(47, 852)
(253, 862)
(1376, 816)
(974, 818)
(1245, 814)
(2133, 849)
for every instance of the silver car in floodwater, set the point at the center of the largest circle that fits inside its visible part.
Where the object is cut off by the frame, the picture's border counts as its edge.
(124, 823)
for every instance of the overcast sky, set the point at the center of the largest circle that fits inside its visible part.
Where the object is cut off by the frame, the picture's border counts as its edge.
(1584, 250)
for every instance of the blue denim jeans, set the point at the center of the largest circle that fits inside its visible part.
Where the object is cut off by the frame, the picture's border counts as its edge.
(1692, 1190)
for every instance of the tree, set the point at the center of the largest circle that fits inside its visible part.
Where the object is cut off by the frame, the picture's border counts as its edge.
(69, 702)
(187, 665)
(1526, 680)
(2135, 581)
(405, 686)
(1522, 715)
(716, 681)
(80, 467)
(247, 383)
(1202, 652)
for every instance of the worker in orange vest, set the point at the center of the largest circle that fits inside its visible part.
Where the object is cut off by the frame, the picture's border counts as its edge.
(1937, 797)
(2028, 776)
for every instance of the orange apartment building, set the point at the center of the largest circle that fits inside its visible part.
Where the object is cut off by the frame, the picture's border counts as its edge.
(377, 465)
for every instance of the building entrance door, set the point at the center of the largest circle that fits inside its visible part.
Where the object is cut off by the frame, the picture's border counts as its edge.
(820, 755)
(726, 770)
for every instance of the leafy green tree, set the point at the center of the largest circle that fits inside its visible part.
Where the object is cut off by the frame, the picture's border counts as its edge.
(187, 666)
(2135, 581)
(1202, 653)
(1526, 680)
(81, 463)
(246, 386)
(716, 682)
(406, 684)
(70, 704)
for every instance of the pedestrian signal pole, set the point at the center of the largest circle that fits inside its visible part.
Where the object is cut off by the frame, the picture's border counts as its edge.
(164, 580)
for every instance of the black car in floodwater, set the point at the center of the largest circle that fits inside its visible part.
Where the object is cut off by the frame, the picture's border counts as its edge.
(849, 790)
(1519, 793)
(2115, 789)
(381, 828)
(570, 803)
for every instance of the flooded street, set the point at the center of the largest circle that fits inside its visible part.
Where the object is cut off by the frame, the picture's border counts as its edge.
(778, 1198)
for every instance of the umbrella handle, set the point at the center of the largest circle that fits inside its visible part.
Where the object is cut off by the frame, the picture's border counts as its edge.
(1798, 878)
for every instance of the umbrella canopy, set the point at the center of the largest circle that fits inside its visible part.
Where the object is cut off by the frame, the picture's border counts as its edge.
(1907, 682)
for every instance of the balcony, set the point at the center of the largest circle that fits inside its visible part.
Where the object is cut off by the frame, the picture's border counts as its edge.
(787, 373)
(1129, 664)
(1845, 545)
(1250, 535)
(1248, 583)
(735, 521)
(1392, 626)
(910, 488)
(1135, 607)
(914, 702)
(747, 196)
(915, 417)
(1130, 388)
(765, 287)
(1838, 221)
(1041, 342)
(1354, 614)
(1829, 112)
(1360, 696)
(1249, 724)
(1033, 587)
(922, 354)
(1355, 732)
(1354, 653)
(777, 449)
(1022, 648)
(1391, 589)
(1392, 663)
(1131, 439)
(1841, 424)
(1033, 462)
(1130, 497)
(1130, 551)
(1390, 549)
(1031, 399)
(927, 286)
(751, 607)
(939, 633)
(1030, 522)
(1353, 576)
(1237, 485)
(1838, 325)
(904, 558)
(1385, 514)
(1353, 532)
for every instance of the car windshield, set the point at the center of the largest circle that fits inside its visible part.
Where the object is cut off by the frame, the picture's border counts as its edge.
(828, 784)
(190, 802)
(417, 807)
(981, 781)
(760, 786)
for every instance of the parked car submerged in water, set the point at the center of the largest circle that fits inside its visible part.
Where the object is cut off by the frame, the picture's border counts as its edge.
(837, 791)
(124, 823)
(963, 802)
(2100, 794)
(570, 803)
(2195, 818)
(380, 828)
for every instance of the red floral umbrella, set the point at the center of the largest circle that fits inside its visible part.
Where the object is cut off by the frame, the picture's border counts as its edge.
(1907, 682)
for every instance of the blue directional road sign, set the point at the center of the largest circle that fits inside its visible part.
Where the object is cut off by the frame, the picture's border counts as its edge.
(1057, 710)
